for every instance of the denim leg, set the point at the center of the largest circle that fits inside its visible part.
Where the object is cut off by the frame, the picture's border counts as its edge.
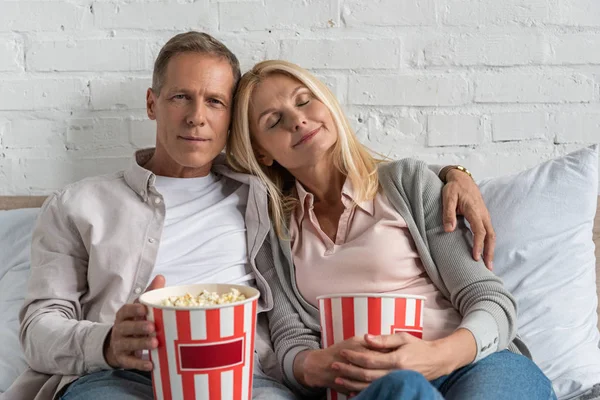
(400, 385)
(118, 384)
(499, 376)
(265, 388)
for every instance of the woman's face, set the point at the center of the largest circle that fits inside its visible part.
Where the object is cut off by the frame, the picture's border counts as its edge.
(288, 124)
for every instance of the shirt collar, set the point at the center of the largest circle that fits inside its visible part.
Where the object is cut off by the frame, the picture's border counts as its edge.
(307, 199)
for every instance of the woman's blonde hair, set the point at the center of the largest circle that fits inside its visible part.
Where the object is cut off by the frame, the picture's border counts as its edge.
(350, 157)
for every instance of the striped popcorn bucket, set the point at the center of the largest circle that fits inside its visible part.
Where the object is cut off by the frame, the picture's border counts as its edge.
(346, 315)
(206, 352)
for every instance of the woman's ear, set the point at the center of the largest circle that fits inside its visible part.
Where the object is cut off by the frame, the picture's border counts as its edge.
(263, 158)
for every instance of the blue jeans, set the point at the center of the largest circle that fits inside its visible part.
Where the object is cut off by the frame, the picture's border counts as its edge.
(503, 375)
(120, 384)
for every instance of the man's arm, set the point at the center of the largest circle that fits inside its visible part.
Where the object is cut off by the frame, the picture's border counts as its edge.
(461, 196)
(54, 336)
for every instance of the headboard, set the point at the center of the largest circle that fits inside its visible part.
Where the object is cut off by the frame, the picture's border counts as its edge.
(12, 202)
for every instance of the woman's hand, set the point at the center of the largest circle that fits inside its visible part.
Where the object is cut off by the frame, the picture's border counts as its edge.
(461, 196)
(403, 351)
(313, 368)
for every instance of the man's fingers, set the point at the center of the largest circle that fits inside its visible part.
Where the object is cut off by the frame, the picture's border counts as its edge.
(130, 312)
(490, 245)
(449, 203)
(478, 238)
(133, 362)
(134, 328)
(131, 345)
(157, 283)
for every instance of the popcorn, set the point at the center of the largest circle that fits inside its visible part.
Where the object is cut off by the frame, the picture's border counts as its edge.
(205, 298)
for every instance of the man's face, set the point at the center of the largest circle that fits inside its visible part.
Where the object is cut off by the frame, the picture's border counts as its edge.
(192, 113)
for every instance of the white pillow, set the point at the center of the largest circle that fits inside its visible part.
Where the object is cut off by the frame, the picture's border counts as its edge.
(543, 219)
(15, 240)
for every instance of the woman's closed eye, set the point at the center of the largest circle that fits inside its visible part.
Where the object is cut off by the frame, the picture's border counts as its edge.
(272, 124)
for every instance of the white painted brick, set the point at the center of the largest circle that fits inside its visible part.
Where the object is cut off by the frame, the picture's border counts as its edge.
(35, 134)
(11, 54)
(251, 51)
(101, 132)
(358, 13)
(178, 16)
(342, 53)
(498, 49)
(515, 126)
(129, 93)
(50, 174)
(534, 88)
(578, 127)
(33, 94)
(576, 48)
(454, 130)
(493, 12)
(506, 161)
(142, 133)
(6, 172)
(27, 16)
(277, 14)
(579, 12)
(89, 55)
(336, 84)
(4, 131)
(422, 90)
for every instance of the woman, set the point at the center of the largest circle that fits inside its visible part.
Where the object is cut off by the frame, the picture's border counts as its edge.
(359, 225)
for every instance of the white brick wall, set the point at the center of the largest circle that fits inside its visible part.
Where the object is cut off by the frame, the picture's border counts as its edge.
(496, 85)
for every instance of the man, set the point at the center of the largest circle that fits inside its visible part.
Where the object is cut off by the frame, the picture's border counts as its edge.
(177, 214)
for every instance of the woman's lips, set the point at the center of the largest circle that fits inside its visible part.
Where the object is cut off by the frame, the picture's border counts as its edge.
(307, 136)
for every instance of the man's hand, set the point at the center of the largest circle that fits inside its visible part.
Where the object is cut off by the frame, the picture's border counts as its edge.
(131, 334)
(461, 196)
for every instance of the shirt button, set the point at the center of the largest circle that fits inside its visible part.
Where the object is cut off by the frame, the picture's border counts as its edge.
(157, 201)
(150, 240)
(138, 290)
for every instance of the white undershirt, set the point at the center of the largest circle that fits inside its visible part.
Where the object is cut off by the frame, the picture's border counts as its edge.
(204, 235)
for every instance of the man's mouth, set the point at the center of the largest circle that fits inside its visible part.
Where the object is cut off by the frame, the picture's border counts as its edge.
(193, 138)
(307, 137)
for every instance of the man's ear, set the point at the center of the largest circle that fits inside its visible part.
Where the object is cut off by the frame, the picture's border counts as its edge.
(150, 104)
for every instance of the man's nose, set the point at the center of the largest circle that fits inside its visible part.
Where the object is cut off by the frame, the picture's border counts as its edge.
(197, 114)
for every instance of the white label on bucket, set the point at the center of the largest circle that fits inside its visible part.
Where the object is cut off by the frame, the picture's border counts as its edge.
(323, 324)
(248, 315)
(388, 310)
(226, 322)
(201, 386)
(411, 307)
(227, 385)
(338, 320)
(170, 325)
(361, 316)
(198, 324)
(156, 378)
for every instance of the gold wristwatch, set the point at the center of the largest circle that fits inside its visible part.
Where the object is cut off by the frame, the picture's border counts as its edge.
(446, 169)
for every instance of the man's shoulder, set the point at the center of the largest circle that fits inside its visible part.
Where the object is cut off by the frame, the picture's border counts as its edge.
(93, 187)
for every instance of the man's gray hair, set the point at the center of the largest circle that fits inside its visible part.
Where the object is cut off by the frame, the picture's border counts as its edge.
(191, 42)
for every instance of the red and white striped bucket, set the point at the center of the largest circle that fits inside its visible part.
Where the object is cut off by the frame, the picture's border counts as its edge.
(203, 353)
(346, 315)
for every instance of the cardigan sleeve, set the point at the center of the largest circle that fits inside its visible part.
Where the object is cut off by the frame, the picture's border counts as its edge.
(488, 309)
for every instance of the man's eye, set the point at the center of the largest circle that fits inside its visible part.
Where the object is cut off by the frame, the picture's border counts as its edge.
(179, 97)
(216, 101)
